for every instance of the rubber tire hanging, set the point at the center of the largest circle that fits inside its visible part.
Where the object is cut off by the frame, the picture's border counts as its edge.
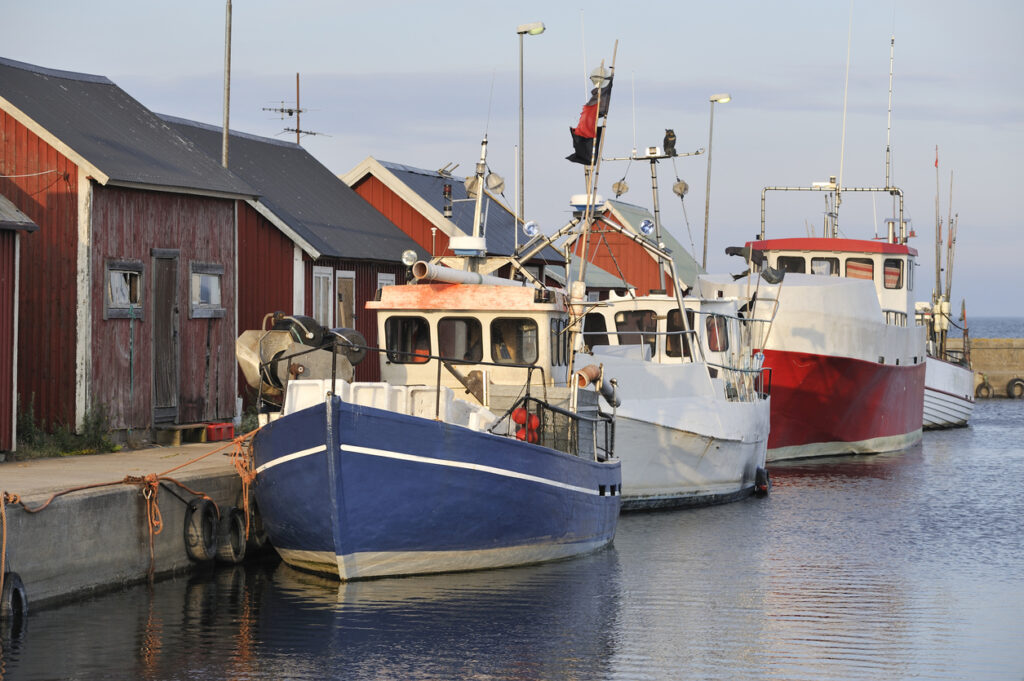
(231, 536)
(201, 530)
(13, 603)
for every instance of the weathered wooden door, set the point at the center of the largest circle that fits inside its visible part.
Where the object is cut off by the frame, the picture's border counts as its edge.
(165, 337)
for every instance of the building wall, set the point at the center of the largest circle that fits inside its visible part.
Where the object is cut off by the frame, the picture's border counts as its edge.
(366, 289)
(8, 246)
(43, 184)
(127, 225)
(408, 219)
(615, 253)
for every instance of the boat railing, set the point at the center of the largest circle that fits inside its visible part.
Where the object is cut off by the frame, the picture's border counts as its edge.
(895, 317)
(538, 422)
(745, 383)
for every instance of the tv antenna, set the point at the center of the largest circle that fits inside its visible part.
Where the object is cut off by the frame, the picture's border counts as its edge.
(296, 111)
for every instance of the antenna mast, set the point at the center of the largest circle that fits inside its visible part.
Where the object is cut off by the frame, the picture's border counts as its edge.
(293, 111)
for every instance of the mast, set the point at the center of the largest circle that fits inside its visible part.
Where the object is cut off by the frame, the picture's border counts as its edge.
(937, 294)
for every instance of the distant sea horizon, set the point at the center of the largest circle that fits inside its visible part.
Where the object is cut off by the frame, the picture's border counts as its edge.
(989, 327)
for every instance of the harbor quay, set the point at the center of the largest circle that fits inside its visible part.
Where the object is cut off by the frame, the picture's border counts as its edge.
(97, 537)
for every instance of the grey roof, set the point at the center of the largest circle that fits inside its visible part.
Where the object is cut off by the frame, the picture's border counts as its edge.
(687, 267)
(12, 218)
(305, 195)
(499, 223)
(112, 132)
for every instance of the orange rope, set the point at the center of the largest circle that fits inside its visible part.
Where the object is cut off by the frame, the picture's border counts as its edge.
(241, 460)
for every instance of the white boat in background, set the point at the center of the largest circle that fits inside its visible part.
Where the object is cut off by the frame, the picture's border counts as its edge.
(693, 424)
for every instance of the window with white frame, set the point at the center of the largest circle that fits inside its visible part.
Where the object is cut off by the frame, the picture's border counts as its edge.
(123, 298)
(205, 286)
(323, 295)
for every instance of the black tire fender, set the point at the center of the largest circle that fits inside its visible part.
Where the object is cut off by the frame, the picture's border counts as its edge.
(1015, 388)
(201, 530)
(983, 391)
(762, 482)
(13, 599)
(231, 536)
(257, 535)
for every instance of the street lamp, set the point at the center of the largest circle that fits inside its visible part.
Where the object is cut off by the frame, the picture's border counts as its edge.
(535, 28)
(722, 99)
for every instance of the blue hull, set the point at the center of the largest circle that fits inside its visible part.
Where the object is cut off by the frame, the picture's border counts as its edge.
(370, 493)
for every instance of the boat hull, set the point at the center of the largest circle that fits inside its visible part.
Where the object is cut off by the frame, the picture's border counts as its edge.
(671, 467)
(359, 492)
(948, 394)
(824, 405)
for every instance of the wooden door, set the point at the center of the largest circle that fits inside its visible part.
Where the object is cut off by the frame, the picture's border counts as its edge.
(165, 338)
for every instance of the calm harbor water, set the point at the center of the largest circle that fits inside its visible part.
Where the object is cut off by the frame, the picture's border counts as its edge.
(899, 566)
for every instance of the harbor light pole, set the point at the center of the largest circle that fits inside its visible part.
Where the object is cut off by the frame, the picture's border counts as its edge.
(535, 28)
(722, 99)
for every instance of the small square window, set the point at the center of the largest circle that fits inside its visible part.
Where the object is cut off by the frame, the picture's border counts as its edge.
(206, 290)
(123, 299)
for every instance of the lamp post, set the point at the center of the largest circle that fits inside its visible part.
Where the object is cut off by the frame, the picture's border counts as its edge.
(535, 28)
(722, 99)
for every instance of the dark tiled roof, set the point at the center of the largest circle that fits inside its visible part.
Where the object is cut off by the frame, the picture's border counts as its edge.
(499, 224)
(12, 218)
(111, 131)
(305, 195)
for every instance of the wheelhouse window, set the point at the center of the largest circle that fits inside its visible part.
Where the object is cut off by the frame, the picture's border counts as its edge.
(559, 342)
(718, 333)
(206, 290)
(124, 290)
(892, 269)
(595, 331)
(513, 341)
(675, 341)
(408, 340)
(460, 338)
(792, 263)
(636, 326)
(828, 267)
(860, 268)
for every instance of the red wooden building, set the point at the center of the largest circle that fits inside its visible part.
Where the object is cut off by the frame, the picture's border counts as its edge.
(129, 303)
(415, 200)
(308, 244)
(12, 224)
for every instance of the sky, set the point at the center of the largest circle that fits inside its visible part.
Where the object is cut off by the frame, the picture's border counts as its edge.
(421, 83)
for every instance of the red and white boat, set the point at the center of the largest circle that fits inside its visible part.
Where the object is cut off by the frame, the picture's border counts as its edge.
(846, 355)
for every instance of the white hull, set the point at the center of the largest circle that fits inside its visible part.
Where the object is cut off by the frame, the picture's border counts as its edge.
(681, 441)
(948, 394)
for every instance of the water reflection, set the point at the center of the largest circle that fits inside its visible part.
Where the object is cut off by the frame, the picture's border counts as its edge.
(894, 566)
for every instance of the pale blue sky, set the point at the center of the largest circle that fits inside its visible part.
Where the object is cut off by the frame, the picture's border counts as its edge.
(420, 82)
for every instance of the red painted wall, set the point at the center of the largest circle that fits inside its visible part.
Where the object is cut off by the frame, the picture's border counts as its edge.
(408, 219)
(127, 224)
(615, 253)
(43, 184)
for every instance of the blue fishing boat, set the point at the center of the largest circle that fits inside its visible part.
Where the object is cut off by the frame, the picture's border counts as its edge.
(410, 476)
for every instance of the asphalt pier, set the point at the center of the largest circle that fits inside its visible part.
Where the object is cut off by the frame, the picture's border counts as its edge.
(98, 538)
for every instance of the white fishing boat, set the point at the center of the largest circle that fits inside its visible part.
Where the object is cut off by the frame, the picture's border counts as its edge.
(949, 380)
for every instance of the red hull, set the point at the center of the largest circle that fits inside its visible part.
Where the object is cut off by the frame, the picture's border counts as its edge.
(832, 405)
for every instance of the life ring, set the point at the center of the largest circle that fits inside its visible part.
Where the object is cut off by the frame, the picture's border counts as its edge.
(1015, 388)
(201, 529)
(762, 482)
(231, 536)
(13, 600)
(983, 391)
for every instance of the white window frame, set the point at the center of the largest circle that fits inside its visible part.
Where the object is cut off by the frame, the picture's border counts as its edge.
(213, 309)
(322, 275)
(385, 279)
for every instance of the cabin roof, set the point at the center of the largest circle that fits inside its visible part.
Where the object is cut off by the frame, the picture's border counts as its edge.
(13, 219)
(829, 245)
(446, 297)
(301, 196)
(112, 136)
